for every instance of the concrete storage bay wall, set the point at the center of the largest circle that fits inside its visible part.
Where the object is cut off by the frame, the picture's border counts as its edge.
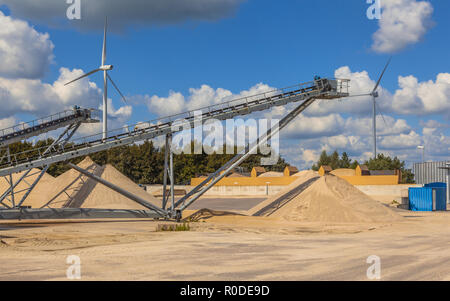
(250, 181)
(236, 190)
(385, 189)
(393, 191)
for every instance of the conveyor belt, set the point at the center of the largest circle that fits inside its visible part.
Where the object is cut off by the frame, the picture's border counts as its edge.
(46, 124)
(319, 89)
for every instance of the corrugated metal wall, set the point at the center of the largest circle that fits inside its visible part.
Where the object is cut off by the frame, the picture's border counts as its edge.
(429, 172)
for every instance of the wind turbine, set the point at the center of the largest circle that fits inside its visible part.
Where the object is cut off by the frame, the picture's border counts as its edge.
(375, 95)
(105, 69)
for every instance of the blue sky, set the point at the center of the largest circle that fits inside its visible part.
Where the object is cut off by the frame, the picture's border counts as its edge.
(276, 43)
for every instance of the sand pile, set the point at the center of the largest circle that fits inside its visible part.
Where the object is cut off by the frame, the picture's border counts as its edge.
(103, 197)
(62, 190)
(45, 181)
(304, 178)
(343, 172)
(74, 190)
(331, 199)
(306, 174)
(271, 174)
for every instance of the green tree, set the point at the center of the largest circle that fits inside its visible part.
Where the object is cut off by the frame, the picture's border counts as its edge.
(345, 161)
(143, 162)
(383, 162)
(324, 159)
(334, 160)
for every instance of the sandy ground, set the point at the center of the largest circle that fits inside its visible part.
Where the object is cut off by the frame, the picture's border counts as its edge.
(326, 232)
(228, 248)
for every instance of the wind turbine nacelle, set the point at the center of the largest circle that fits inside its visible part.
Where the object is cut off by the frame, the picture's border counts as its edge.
(375, 94)
(106, 67)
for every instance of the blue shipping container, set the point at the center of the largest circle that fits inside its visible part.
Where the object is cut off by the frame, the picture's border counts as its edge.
(427, 199)
(436, 185)
(441, 195)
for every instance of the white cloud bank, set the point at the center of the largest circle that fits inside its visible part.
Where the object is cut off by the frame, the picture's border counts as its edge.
(25, 55)
(38, 98)
(345, 125)
(198, 98)
(402, 23)
(24, 52)
(423, 98)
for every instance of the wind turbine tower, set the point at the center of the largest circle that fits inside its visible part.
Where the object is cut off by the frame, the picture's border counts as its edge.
(375, 95)
(105, 69)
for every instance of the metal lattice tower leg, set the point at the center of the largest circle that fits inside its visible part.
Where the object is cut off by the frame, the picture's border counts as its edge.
(168, 174)
(198, 191)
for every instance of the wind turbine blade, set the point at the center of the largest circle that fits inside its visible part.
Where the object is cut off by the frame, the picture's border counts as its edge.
(78, 78)
(104, 42)
(381, 113)
(115, 86)
(381, 76)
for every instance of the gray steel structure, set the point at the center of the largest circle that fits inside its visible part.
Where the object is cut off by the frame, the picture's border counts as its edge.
(430, 172)
(43, 125)
(74, 213)
(117, 189)
(70, 118)
(321, 89)
(308, 92)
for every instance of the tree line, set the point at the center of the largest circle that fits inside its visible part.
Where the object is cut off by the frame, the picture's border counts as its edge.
(144, 162)
(382, 162)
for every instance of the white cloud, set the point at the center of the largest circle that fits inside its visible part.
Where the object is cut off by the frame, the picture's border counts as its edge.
(123, 13)
(411, 98)
(360, 83)
(437, 145)
(386, 125)
(354, 136)
(402, 23)
(339, 125)
(310, 155)
(402, 141)
(199, 98)
(25, 55)
(206, 96)
(24, 52)
(6, 123)
(41, 99)
(38, 98)
(165, 106)
(433, 124)
(309, 127)
(323, 126)
(117, 119)
(121, 113)
(423, 98)
(300, 156)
